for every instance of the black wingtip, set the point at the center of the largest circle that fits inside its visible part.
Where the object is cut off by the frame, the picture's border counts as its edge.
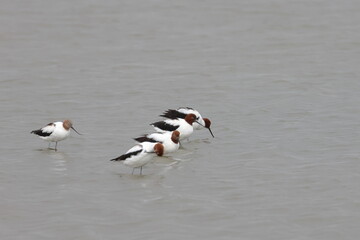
(117, 159)
(144, 139)
(35, 131)
(41, 133)
(164, 126)
(173, 114)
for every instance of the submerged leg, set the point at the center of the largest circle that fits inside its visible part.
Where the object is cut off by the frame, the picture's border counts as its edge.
(181, 146)
(133, 171)
(49, 145)
(55, 146)
(141, 170)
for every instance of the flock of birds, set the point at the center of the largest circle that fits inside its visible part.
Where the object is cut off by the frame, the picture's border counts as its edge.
(178, 125)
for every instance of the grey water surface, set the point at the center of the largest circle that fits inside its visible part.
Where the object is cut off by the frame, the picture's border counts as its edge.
(278, 79)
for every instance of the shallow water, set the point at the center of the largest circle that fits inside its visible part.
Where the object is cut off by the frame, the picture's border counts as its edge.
(279, 80)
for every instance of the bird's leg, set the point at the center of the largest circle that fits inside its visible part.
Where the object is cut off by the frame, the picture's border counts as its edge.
(133, 171)
(141, 170)
(49, 145)
(55, 146)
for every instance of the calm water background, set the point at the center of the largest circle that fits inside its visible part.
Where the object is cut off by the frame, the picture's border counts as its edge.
(279, 80)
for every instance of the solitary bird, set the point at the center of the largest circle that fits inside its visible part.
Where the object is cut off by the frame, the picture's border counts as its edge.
(140, 154)
(183, 111)
(55, 132)
(183, 125)
(170, 140)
